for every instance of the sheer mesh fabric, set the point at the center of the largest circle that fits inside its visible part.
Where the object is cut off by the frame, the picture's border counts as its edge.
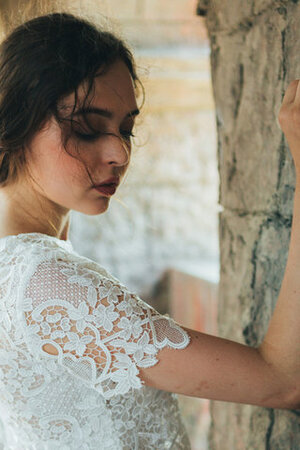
(89, 390)
(101, 331)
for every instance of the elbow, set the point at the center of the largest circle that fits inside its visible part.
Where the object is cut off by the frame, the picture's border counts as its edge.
(294, 397)
(284, 387)
(287, 397)
(288, 401)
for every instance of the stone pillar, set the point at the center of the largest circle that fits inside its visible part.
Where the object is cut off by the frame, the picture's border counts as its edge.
(255, 53)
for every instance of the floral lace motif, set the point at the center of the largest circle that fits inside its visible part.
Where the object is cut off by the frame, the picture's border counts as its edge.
(89, 391)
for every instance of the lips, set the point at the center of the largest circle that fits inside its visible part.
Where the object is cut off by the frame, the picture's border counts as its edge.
(107, 189)
(109, 186)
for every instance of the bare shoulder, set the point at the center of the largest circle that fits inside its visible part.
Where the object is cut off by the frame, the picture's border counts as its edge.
(219, 369)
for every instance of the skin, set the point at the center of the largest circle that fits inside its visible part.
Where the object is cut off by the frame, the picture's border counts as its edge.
(61, 183)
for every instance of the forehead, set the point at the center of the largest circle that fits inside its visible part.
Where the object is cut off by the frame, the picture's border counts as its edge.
(113, 90)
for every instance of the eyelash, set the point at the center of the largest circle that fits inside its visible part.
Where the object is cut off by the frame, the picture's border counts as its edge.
(93, 137)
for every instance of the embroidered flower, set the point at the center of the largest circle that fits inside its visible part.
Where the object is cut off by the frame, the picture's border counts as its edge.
(75, 278)
(130, 327)
(58, 334)
(126, 304)
(46, 329)
(76, 343)
(137, 349)
(109, 290)
(126, 376)
(124, 422)
(131, 305)
(104, 316)
(59, 430)
(65, 324)
(53, 318)
(92, 296)
(81, 315)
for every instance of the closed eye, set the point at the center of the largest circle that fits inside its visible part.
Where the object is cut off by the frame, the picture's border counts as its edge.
(93, 137)
(87, 137)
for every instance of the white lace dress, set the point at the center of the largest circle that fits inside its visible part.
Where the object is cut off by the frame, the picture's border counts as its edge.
(88, 395)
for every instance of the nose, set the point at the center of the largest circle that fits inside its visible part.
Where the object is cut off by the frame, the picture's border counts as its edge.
(115, 150)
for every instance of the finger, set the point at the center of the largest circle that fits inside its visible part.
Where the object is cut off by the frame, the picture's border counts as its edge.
(290, 92)
(297, 96)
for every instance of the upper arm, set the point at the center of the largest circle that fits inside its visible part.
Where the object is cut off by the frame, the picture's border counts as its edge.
(220, 369)
(108, 337)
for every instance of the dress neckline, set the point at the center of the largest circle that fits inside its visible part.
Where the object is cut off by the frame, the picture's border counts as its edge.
(63, 243)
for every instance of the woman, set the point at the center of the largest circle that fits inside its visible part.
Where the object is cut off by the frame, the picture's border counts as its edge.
(85, 363)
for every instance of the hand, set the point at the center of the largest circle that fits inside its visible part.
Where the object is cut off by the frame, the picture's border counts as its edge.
(289, 120)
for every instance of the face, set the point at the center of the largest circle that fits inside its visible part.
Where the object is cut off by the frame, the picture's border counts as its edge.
(63, 179)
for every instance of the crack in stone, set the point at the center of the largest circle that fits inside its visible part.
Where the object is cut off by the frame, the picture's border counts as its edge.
(282, 157)
(240, 91)
(272, 215)
(232, 171)
(248, 331)
(232, 253)
(270, 429)
(282, 11)
(246, 23)
(284, 58)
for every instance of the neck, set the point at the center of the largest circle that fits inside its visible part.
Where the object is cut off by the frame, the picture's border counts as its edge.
(21, 214)
(65, 231)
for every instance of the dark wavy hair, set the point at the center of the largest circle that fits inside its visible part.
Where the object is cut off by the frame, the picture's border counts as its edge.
(41, 61)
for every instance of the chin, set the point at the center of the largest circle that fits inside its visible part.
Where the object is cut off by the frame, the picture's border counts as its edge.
(94, 211)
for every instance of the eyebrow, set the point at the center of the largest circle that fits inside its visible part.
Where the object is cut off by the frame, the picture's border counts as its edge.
(103, 112)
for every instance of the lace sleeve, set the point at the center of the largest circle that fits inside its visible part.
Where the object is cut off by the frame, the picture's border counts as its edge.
(101, 332)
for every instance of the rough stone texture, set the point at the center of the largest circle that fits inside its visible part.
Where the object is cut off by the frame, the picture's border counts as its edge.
(255, 51)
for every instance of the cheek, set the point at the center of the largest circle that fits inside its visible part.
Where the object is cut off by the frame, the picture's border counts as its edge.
(52, 166)
(68, 167)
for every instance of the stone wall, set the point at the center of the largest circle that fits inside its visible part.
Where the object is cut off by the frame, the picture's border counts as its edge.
(255, 50)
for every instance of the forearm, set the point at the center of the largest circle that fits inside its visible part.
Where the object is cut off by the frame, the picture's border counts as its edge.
(281, 344)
